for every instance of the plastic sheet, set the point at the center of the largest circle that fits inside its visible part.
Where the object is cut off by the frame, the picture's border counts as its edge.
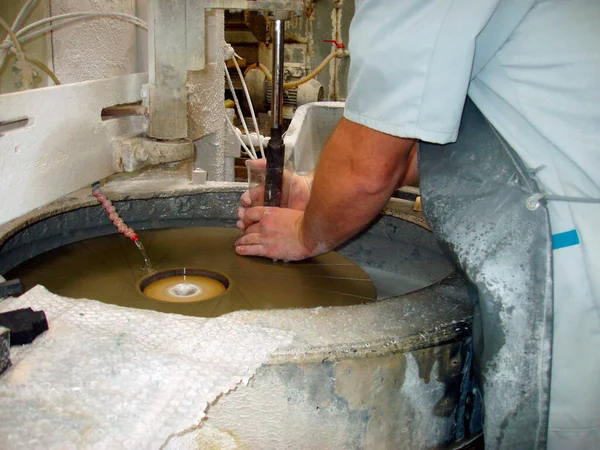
(105, 376)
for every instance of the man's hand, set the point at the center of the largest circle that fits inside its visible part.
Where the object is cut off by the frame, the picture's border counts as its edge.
(272, 233)
(296, 188)
(357, 172)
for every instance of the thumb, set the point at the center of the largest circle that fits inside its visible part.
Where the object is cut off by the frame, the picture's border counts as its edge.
(259, 165)
(253, 196)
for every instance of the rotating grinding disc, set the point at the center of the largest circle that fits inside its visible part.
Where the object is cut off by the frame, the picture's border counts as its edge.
(109, 269)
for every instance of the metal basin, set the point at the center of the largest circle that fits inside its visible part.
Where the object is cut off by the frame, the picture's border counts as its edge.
(389, 374)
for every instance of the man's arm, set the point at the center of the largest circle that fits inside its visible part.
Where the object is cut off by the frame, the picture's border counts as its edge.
(357, 172)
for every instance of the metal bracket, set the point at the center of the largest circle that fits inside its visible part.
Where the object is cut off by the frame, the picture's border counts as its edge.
(134, 152)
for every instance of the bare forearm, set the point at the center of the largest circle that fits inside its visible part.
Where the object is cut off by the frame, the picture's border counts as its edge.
(357, 172)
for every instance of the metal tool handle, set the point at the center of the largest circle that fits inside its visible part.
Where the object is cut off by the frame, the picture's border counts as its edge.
(275, 151)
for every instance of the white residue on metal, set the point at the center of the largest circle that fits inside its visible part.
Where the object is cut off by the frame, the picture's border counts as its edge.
(206, 110)
(423, 396)
(501, 274)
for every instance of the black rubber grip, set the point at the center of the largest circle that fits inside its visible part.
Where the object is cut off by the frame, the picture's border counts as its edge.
(275, 153)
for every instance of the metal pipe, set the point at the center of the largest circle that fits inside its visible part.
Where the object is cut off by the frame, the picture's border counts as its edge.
(277, 106)
(275, 151)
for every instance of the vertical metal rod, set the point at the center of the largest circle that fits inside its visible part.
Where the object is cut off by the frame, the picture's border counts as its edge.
(277, 99)
(275, 151)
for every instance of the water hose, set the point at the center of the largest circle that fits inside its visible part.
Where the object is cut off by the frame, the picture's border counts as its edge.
(310, 76)
(113, 215)
(44, 69)
(13, 36)
(20, 53)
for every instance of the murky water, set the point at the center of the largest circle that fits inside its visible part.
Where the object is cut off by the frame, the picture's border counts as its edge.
(109, 269)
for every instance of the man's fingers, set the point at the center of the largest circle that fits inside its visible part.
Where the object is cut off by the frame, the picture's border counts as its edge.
(240, 215)
(254, 228)
(246, 199)
(253, 215)
(272, 233)
(248, 217)
(249, 245)
(251, 250)
(248, 239)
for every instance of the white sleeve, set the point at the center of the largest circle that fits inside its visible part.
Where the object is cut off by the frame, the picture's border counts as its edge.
(411, 64)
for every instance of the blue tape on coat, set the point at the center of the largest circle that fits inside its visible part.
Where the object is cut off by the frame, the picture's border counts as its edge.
(566, 239)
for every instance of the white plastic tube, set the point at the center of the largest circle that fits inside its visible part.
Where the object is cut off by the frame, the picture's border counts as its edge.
(245, 87)
(237, 104)
(25, 10)
(235, 131)
(26, 33)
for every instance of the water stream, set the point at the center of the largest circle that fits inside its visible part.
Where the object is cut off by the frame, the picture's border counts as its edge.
(147, 263)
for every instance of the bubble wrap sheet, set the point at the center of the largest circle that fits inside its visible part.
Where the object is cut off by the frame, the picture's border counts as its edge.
(109, 377)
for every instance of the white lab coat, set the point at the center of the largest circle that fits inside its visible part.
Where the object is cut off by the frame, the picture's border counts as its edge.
(533, 68)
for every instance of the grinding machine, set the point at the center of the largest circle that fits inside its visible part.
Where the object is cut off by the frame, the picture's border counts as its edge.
(382, 353)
